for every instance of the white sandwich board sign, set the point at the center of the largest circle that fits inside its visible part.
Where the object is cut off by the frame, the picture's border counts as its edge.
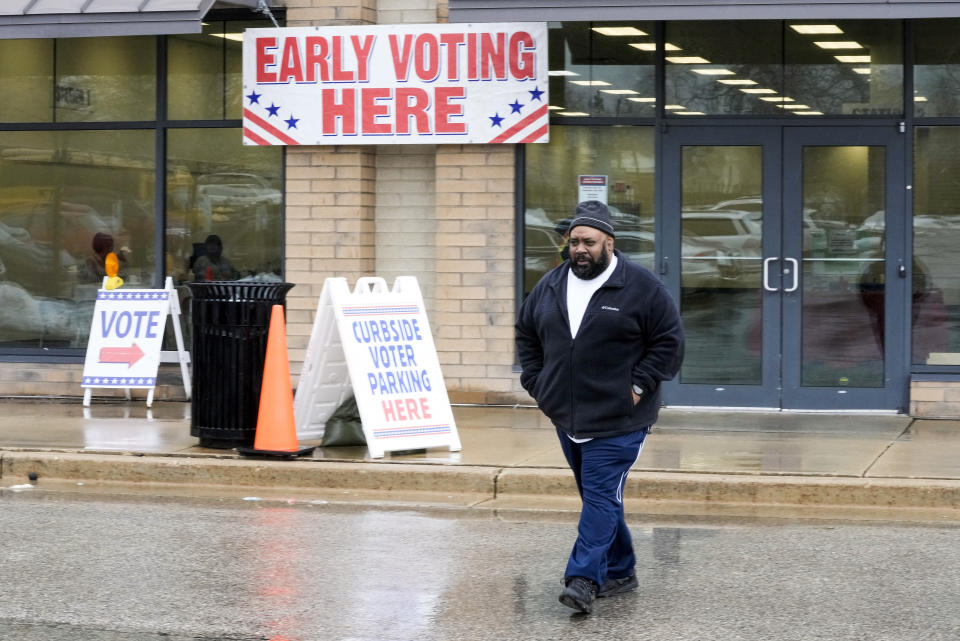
(126, 334)
(377, 343)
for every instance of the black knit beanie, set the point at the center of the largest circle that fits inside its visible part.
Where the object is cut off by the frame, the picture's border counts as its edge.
(593, 213)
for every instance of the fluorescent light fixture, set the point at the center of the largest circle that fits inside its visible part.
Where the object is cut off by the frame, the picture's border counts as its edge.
(801, 107)
(562, 72)
(687, 60)
(919, 98)
(816, 28)
(737, 81)
(619, 31)
(713, 72)
(776, 99)
(863, 71)
(619, 92)
(757, 90)
(555, 108)
(807, 113)
(853, 58)
(642, 99)
(572, 113)
(673, 107)
(688, 113)
(652, 46)
(229, 36)
(590, 83)
(838, 44)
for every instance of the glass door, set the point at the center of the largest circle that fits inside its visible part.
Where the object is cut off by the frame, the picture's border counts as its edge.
(721, 204)
(843, 270)
(784, 248)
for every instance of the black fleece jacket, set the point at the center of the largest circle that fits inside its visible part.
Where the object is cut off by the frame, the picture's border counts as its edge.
(630, 335)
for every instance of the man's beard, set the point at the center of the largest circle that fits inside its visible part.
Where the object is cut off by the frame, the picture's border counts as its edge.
(591, 268)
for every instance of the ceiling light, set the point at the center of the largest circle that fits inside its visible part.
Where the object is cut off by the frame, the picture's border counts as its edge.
(572, 113)
(562, 72)
(863, 71)
(919, 98)
(838, 44)
(555, 108)
(776, 99)
(757, 90)
(853, 58)
(619, 31)
(229, 36)
(672, 107)
(590, 83)
(688, 113)
(793, 106)
(642, 99)
(687, 60)
(652, 46)
(816, 28)
(713, 72)
(808, 113)
(619, 92)
(737, 81)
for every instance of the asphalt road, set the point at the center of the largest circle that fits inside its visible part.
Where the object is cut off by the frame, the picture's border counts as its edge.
(123, 569)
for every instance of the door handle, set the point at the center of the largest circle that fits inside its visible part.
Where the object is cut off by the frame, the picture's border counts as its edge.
(766, 274)
(796, 275)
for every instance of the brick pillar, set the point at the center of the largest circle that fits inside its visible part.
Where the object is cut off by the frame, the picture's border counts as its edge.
(330, 198)
(473, 322)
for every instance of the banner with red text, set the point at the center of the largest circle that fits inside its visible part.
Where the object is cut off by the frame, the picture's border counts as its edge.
(396, 84)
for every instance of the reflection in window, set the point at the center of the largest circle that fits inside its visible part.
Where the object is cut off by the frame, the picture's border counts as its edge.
(102, 79)
(26, 80)
(205, 72)
(936, 262)
(224, 207)
(624, 155)
(936, 71)
(602, 69)
(720, 270)
(66, 200)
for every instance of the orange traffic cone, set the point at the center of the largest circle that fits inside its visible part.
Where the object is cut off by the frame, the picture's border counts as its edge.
(276, 429)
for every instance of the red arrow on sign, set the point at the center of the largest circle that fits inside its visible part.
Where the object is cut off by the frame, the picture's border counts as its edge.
(129, 355)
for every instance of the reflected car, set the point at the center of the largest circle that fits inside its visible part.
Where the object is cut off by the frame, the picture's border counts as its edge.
(541, 254)
(236, 190)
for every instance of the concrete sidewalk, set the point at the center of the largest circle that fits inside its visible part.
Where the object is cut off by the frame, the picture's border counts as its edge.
(695, 462)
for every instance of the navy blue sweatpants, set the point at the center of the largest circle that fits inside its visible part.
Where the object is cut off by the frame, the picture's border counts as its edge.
(604, 547)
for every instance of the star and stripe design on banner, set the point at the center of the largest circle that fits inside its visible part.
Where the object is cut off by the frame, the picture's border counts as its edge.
(518, 126)
(260, 129)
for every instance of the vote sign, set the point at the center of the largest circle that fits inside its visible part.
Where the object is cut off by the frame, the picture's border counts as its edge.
(396, 84)
(125, 338)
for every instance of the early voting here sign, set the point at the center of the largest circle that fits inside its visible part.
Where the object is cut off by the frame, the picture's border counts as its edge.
(125, 338)
(384, 339)
(396, 84)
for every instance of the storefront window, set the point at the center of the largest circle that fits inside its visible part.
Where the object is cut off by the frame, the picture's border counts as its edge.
(623, 155)
(205, 72)
(936, 71)
(104, 79)
(26, 80)
(222, 192)
(602, 69)
(67, 198)
(724, 68)
(936, 261)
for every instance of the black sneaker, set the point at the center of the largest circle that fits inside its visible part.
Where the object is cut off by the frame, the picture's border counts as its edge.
(613, 587)
(579, 594)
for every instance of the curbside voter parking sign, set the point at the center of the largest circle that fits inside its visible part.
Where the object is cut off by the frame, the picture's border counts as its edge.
(125, 338)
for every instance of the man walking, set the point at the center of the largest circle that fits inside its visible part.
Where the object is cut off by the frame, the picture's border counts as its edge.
(595, 338)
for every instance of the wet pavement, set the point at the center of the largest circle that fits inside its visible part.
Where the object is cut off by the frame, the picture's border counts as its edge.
(88, 569)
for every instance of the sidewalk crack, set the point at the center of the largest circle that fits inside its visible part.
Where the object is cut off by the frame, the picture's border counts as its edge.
(887, 448)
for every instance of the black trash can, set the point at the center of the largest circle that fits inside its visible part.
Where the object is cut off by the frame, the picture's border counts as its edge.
(231, 321)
